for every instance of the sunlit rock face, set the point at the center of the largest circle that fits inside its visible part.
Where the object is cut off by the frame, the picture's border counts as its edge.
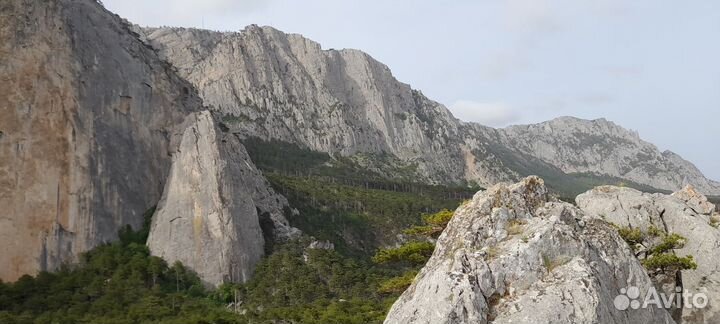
(87, 113)
(209, 216)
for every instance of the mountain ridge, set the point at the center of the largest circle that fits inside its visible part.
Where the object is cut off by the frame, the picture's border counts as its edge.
(279, 86)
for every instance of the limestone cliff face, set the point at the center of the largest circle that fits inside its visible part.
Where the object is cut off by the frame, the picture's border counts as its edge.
(281, 86)
(210, 213)
(685, 212)
(277, 86)
(86, 117)
(511, 255)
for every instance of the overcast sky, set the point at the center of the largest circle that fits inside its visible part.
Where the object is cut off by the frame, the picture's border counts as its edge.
(648, 65)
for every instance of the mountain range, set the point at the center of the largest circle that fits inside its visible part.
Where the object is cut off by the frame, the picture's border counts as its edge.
(106, 125)
(279, 86)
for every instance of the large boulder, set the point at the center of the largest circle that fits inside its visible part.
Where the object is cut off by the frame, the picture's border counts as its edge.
(214, 204)
(511, 255)
(686, 213)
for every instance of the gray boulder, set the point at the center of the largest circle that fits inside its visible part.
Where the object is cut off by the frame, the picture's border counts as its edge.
(511, 255)
(686, 213)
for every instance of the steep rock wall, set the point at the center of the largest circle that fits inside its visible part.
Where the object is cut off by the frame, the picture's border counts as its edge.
(86, 115)
(213, 203)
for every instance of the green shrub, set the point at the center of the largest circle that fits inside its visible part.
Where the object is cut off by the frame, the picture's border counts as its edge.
(398, 284)
(436, 223)
(656, 248)
(416, 253)
(669, 262)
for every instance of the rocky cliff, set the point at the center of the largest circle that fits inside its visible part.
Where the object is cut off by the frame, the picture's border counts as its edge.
(279, 86)
(210, 215)
(512, 255)
(86, 116)
(91, 120)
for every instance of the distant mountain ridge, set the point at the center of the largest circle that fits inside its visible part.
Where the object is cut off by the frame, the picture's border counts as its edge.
(279, 86)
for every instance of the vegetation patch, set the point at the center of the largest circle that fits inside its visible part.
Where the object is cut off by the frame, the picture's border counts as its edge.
(113, 283)
(397, 285)
(413, 255)
(655, 249)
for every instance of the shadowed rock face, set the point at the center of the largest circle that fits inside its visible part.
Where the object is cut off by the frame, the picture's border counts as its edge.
(286, 87)
(685, 212)
(513, 256)
(86, 112)
(209, 216)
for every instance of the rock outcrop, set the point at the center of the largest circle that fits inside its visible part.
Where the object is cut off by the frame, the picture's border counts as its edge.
(86, 116)
(210, 215)
(511, 255)
(279, 86)
(686, 213)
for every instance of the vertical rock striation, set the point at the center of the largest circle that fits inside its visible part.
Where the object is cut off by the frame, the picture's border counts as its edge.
(86, 112)
(279, 86)
(209, 216)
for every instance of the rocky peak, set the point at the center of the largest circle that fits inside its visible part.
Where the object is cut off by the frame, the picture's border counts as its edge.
(215, 201)
(602, 147)
(512, 255)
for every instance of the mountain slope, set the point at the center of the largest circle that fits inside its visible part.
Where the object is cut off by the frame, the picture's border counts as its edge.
(279, 86)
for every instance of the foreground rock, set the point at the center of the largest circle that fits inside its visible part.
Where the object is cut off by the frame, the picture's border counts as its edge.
(212, 211)
(687, 213)
(513, 256)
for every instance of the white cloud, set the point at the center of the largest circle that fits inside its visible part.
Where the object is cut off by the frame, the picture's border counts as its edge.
(494, 114)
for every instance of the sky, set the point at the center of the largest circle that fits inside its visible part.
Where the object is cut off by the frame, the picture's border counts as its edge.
(648, 65)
